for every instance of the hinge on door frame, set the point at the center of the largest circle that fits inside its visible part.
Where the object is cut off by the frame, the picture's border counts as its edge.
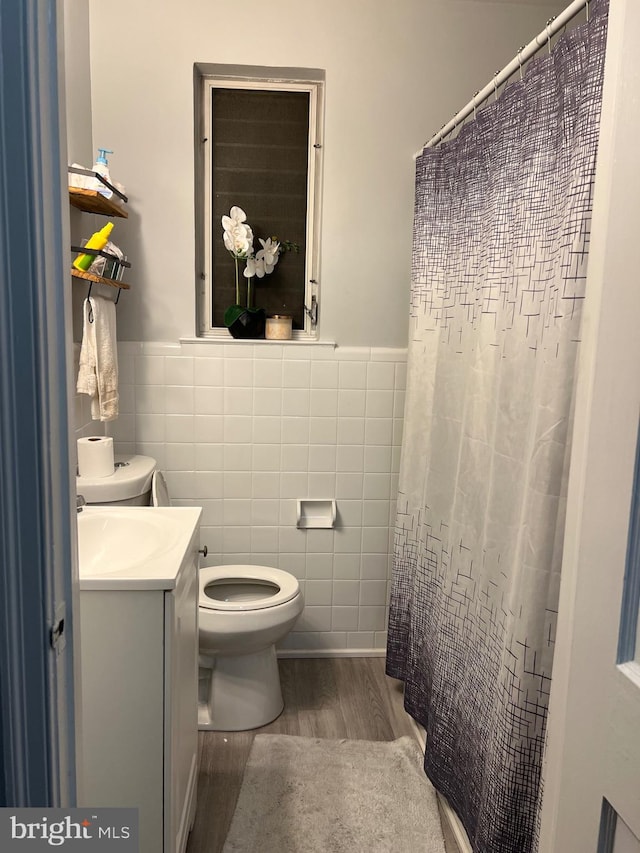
(57, 637)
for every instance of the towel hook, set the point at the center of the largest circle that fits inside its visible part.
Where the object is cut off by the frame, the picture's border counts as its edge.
(90, 312)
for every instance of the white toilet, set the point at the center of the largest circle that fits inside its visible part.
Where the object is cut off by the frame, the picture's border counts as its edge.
(131, 484)
(243, 612)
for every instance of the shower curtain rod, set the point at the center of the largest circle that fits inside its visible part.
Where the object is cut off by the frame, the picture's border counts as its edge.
(525, 53)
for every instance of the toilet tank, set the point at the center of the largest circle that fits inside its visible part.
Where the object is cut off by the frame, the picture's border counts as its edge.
(130, 484)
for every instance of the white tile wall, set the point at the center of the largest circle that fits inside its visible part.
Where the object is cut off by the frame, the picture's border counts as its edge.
(245, 429)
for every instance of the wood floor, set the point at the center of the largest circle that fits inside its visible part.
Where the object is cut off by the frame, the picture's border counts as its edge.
(330, 698)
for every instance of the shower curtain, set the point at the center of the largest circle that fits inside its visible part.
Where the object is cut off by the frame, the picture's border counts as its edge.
(501, 237)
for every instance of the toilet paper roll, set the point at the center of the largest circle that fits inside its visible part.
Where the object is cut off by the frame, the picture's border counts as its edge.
(95, 456)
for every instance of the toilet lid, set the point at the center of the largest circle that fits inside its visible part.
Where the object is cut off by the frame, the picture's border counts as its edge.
(159, 490)
(265, 587)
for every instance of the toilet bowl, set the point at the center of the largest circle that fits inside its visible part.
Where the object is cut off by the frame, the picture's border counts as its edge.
(244, 611)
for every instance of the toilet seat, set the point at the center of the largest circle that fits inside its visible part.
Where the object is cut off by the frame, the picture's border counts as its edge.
(159, 490)
(287, 584)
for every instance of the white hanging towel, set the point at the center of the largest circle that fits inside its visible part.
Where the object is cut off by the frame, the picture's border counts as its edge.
(98, 373)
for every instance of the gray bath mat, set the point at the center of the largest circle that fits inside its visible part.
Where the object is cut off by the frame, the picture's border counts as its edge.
(310, 795)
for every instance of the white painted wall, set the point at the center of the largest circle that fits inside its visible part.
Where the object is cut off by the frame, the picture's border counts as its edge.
(77, 81)
(396, 71)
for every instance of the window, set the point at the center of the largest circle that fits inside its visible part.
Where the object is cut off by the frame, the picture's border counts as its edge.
(258, 136)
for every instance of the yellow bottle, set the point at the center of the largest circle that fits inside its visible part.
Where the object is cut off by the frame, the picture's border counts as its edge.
(97, 241)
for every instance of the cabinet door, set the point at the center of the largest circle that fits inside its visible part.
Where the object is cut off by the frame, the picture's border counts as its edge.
(181, 708)
(122, 705)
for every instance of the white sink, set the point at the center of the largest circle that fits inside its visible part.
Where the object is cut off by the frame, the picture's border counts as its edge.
(117, 540)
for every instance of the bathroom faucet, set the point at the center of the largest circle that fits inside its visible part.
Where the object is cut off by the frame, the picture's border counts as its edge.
(80, 502)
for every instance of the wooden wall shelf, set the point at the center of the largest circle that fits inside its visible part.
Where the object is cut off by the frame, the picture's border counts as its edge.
(98, 279)
(91, 201)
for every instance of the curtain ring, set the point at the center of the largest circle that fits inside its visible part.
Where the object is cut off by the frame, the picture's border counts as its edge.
(495, 84)
(520, 49)
(588, 2)
(549, 22)
(475, 95)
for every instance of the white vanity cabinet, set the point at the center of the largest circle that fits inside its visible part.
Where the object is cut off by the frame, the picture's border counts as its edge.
(139, 663)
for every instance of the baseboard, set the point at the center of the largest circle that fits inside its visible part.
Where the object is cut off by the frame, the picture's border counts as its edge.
(331, 653)
(456, 827)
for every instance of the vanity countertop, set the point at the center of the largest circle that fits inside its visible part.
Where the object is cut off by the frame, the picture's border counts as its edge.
(127, 547)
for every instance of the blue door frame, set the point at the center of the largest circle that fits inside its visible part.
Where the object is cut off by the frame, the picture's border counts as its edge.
(36, 548)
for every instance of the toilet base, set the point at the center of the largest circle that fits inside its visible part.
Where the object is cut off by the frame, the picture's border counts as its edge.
(240, 692)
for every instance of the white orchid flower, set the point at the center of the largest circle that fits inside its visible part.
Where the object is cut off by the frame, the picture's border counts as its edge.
(269, 253)
(238, 239)
(255, 266)
(250, 268)
(237, 236)
(236, 217)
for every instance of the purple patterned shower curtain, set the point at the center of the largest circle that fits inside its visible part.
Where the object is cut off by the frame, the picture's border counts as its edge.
(501, 237)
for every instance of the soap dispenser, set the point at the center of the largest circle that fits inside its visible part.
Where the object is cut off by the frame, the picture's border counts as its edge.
(102, 168)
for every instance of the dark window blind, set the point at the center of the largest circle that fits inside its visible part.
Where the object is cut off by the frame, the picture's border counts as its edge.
(259, 162)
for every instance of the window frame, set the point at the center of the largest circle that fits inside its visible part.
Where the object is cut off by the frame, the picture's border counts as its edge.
(206, 81)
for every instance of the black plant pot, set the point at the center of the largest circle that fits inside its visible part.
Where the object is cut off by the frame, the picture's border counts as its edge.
(249, 324)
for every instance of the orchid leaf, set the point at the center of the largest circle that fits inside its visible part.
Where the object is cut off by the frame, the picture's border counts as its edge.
(232, 313)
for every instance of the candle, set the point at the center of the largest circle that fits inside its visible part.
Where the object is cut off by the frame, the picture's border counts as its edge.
(278, 328)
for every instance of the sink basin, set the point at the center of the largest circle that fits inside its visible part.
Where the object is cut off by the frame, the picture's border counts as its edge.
(113, 541)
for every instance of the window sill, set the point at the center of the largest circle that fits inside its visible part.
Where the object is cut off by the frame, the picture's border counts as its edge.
(228, 340)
